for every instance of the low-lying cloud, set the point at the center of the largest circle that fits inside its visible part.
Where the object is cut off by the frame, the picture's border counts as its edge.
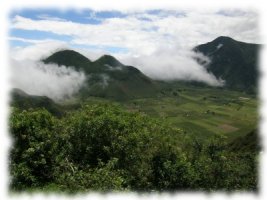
(59, 82)
(178, 64)
(51, 80)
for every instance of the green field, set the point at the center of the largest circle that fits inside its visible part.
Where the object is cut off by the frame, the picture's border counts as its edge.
(199, 111)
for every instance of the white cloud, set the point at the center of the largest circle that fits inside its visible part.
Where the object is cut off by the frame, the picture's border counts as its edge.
(32, 41)
(175, 64)
(37, 51)
(48, 17)
(158, 44)
(144, 36)
(37, 78)
(219, 46)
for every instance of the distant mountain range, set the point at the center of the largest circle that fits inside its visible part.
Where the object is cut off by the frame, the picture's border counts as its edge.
(233, 61)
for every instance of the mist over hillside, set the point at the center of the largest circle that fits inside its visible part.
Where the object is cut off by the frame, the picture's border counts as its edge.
(55, 81)
(222, 62)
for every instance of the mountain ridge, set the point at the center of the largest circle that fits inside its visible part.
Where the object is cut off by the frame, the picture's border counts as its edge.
(106, 76)
(234, 61)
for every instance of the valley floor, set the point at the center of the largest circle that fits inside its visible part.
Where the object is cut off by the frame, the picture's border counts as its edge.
(200, 111)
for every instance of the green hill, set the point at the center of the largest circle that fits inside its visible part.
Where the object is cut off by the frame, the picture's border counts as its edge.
(69, 58)
(233, 61)
(108, 60)
(106, 77)
(22, 100)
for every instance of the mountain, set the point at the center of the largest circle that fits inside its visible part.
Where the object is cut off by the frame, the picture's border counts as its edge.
(233, 61)
(68, 58)
(22, 100)
(108, 60)
(106, 77)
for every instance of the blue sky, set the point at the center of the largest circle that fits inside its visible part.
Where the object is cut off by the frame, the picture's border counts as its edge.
(82, 17)
(77, 16)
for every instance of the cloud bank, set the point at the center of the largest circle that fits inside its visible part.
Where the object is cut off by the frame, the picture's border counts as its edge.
(178, 64)
(168, 63)
(37, 78)
(145, 32)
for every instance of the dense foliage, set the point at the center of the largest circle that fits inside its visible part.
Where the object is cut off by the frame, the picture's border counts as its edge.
(102, 147)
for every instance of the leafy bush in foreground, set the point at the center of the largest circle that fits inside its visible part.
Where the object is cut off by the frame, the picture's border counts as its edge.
(34, 146)
(104, 148)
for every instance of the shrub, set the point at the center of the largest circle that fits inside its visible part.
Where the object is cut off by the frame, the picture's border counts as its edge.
(33, 153)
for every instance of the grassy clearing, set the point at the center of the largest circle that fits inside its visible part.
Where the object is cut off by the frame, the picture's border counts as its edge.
(202, 112)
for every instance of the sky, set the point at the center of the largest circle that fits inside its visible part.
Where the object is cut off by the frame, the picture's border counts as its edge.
(135, 33)
(157, 42)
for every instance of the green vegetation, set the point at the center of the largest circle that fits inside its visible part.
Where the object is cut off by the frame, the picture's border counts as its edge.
(184, 138)
(201, 111)
(125, 132)
(22, 100)
(103, 147)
